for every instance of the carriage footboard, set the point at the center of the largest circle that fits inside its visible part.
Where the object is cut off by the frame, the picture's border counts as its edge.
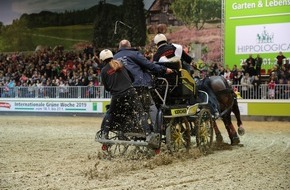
(122, 142)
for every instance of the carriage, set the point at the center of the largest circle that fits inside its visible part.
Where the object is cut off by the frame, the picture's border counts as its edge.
(183, 116)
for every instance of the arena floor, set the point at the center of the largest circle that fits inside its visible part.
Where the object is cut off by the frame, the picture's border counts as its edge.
(61, 153)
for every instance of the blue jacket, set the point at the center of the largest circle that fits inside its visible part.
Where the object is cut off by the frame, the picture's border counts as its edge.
(139, 67)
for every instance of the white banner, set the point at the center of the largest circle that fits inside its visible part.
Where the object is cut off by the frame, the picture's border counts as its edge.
(266, 38)
(60, 105)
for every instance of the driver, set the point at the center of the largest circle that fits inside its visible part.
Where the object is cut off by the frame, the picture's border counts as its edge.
(166, 51)
(125, 108)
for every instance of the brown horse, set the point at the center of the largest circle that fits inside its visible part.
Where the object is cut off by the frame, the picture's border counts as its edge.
(227, 103)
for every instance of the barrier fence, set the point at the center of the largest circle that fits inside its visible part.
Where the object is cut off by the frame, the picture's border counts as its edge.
(55, 92)
(279, 91)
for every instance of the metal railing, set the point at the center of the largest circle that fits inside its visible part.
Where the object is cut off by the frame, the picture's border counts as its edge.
(54, 92)
(281, 91)
(263, 91)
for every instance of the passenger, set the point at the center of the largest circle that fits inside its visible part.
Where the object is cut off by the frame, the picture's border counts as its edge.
(166, 51)
(126, 108)
(140, 69)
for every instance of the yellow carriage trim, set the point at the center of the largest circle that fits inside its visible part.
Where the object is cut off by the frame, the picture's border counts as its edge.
(180, 111)
(192, 109)
(187, 80)
(186, 76)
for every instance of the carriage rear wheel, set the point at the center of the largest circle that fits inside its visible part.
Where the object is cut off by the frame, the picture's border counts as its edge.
(120, 148)
(115, 150)
(204, 134)
(177, 134)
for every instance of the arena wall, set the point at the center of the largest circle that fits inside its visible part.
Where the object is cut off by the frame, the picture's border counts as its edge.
(264, 107)
(49, 105)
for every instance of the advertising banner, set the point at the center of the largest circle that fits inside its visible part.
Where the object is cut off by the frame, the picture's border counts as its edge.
(256, 27)
(50, 105)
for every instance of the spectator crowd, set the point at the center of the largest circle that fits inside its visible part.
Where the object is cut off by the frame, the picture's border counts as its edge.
(59, 68)
(49, 68)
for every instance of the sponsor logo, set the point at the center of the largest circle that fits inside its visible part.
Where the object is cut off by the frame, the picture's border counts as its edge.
(5, 105)
(178, 111)
(265, 37)
(269, 38)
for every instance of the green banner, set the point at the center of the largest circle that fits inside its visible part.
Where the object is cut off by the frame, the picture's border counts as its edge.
(256, 27)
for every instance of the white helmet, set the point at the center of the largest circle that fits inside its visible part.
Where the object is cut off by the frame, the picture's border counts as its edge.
(106, 54)
(159, 38)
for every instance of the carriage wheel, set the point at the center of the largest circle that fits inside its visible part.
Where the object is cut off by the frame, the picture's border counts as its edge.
(178, 134)
(160, 125)
(115, 150)
(129, 151)
(204, 135)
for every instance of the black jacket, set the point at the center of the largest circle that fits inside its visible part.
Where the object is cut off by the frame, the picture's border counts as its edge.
(139, 67)
(171, 50)
(116, 82)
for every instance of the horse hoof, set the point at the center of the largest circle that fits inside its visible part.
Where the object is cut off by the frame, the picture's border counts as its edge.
(219, 138)
(241, 131)
(235, 141)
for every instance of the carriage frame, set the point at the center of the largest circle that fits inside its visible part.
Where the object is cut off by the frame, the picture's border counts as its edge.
(183, 114)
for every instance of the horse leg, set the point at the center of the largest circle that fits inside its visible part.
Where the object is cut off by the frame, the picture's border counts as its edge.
(219, 137)
(236, 111)
(231, 130)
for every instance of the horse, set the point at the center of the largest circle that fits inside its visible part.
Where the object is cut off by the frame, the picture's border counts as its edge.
(227, 103)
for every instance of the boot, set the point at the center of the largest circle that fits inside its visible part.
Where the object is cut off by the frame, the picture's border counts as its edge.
(153, 140)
